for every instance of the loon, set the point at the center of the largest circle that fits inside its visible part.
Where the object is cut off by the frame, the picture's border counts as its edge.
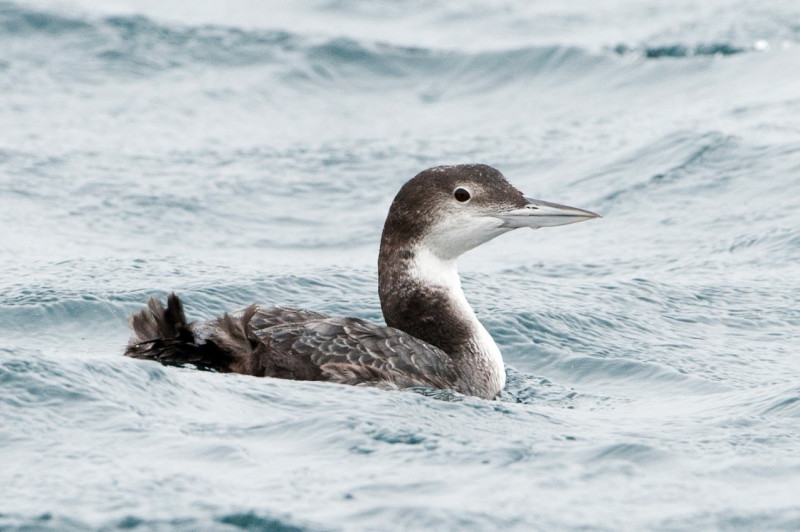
(432, 339)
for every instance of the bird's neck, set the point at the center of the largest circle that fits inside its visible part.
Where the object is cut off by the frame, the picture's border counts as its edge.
(421, 295)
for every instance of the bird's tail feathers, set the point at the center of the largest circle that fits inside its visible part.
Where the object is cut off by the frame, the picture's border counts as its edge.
(163, 334)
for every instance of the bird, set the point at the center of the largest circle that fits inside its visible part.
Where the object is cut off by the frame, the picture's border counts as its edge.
(432, 337)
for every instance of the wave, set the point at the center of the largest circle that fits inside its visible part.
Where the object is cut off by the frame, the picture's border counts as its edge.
(234, 521)
(139, 44)
(17, 20)
(136, 45)
(678, 50)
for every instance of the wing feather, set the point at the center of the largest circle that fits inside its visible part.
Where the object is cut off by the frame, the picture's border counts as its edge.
(353, 351)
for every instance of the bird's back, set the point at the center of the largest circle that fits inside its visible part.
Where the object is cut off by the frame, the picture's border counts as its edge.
(291, 344)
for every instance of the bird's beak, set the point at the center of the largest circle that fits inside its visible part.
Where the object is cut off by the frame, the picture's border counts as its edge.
(538, 213)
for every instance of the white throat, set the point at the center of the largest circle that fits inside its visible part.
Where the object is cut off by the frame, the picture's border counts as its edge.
(432, 271)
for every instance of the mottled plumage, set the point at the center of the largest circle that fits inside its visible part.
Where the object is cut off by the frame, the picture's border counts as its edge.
(289, 344)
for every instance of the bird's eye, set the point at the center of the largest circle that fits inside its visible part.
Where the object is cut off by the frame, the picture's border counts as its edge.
(461, 194)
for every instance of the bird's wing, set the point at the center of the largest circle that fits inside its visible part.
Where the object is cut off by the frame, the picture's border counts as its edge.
(353, 351)
(267, 317)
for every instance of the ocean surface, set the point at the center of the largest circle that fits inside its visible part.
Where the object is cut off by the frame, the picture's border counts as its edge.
(243, 151)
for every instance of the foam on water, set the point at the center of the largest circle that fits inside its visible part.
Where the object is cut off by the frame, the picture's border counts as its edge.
(238, 153)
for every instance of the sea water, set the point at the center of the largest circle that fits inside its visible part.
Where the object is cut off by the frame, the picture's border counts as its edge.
(241, 151)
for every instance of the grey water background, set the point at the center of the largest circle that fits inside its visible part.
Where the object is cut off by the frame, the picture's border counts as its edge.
(239, 152)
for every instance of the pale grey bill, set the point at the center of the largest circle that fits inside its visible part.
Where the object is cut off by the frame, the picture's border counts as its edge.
(538, 213)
